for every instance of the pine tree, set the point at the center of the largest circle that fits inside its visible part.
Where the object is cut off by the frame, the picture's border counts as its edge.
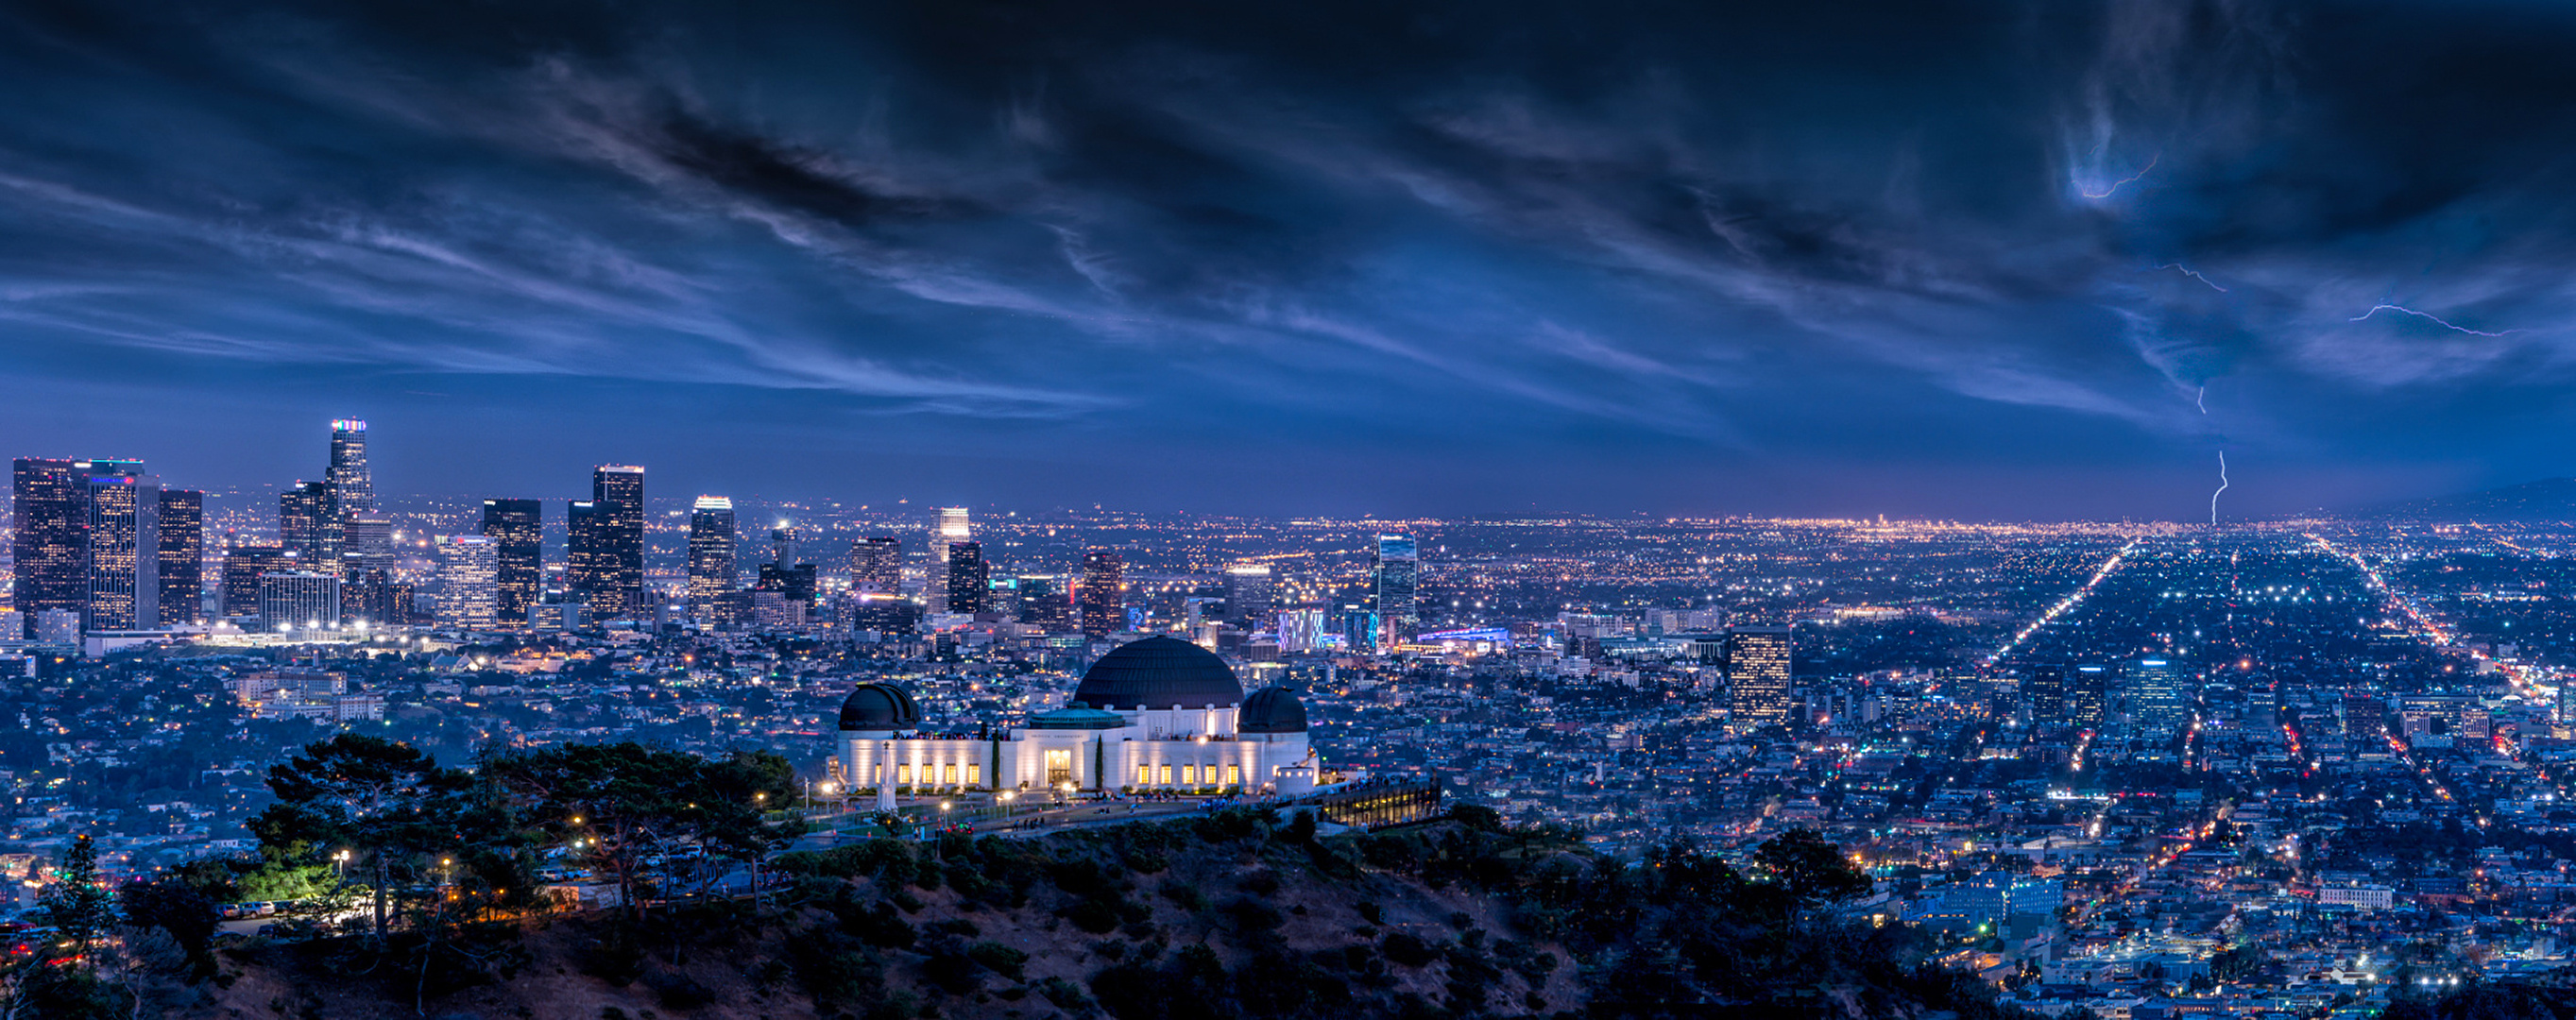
(78, 904)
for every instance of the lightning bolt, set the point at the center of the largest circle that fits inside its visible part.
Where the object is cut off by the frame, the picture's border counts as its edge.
(2116, 185)
(2445, 323)
(2186, 270)
(2222, 487)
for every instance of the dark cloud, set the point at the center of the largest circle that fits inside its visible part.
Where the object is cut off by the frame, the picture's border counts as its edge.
(1939, 257)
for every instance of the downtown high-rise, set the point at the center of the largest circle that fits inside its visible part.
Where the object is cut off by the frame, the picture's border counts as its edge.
(1103, 598)
(876, 566)
(604, 560)
(182, 557)
(49, 518)
(713, 575)
(517, 530)
(1759, 676)
(968, 579)
(123, 535)
(1394, 570)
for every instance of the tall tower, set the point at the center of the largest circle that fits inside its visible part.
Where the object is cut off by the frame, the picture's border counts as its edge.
(1759, 668)
(301, 511)
(49, 518)
(605, 564)
(968, 581)
(2160, 696)
(876, 566)
(2043, 687)
(1247, 595)
(2088, 696)
(349, 495)
(183, 556)
(953, 528)
(1394, 569)
(469, 574)
(517, 526)
(1104, 603)
(712, 574)
(124, 547)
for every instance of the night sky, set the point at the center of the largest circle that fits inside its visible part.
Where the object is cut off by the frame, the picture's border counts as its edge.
(1920, 258)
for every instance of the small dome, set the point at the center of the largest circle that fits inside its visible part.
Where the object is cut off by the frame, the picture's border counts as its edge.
(1272, 710)
(880, 707)
(1158, 673)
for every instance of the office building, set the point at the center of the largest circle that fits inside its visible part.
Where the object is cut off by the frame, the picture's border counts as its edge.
(2160, 696)
(299, 600)
(876, 565)
(1759, 676)
(2088, 696)
(1102, 596)
(469, 577)
(1042, 603)
(182, 559)
(373, 597)
(124, 547)
(352, 489)
(782, 545)
(300, 512)
(953, 528)
(712, 574)
(968, 580)
(1302, 630)
(2043, 688)
(1394, 568)
(49, 516)
(1247, 595)
(243, 567)
(605, 560)
(517, 528)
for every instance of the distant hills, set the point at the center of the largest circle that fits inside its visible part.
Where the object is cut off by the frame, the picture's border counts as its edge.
(2549, 499)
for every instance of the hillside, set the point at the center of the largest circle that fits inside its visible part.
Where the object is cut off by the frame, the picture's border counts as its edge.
(2550, 499)
(1235, 914)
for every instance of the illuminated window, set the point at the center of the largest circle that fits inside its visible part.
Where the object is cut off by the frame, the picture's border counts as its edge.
(974, 775)
(1189, 774)
(948, 773)
(903, 775)
(1144, 775)
(1167, 775)
(1234, 775)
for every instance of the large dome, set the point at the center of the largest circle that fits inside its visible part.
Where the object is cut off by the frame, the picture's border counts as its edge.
(1159, 673)
(880, 707)
(1272, 710)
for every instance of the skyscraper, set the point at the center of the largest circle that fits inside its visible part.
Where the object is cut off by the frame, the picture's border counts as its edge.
(244, 565)
(469, 572)
(782, 545)
(2088, 695)
(518, 529)
(712, 575)
(2044, 689)
(183, 556)
(605, 561)
(298, 600)
(1043, 605)
(300, 512)
(953, 528)
(968, 580)
(49, 517)
(353, 490)
(1104, 603)
(124, 538)
(1759, 675)
(1247, 595)
(349, 497)
(2160, 696)
(876, 566)
(1394, 567)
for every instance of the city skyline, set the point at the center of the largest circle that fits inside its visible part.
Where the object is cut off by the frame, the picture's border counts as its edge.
(1927, 260)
